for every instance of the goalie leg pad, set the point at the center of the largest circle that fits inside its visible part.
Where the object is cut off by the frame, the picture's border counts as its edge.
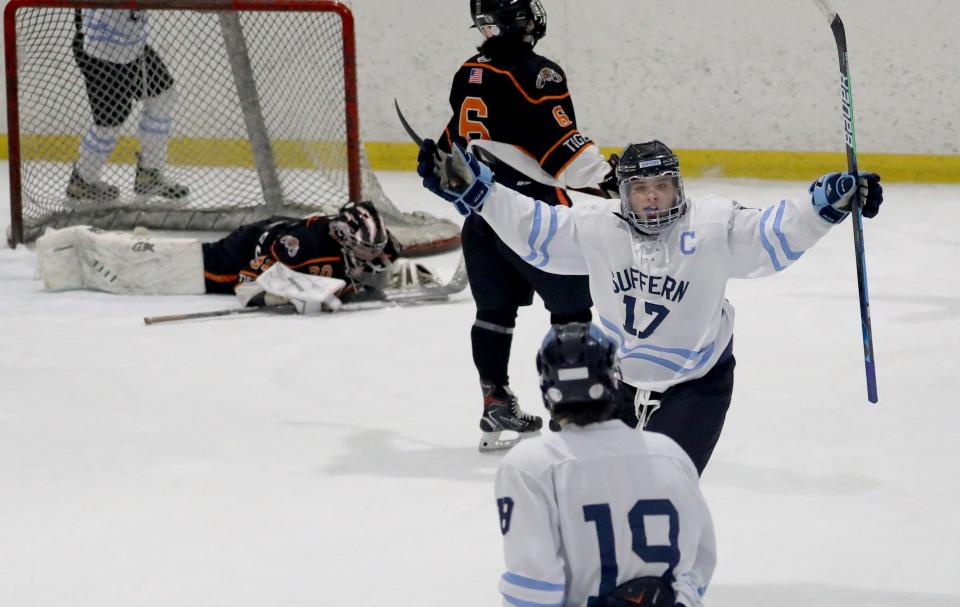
(126, 264)
(58, 263)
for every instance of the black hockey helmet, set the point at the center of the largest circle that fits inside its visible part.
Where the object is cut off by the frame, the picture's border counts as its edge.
(362, 235)
(507, 17)
(639, 164)
(577, 366)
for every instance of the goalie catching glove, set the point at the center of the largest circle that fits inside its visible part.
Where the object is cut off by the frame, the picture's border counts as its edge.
(457, 177)
(279, 284)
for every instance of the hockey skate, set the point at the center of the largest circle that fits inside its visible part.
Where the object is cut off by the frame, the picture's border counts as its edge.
(152, 182)
(97, 192)
(501, 412)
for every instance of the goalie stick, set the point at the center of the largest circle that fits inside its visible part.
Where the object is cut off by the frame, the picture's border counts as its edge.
(289, 308)
(846, 94)
(394, 297)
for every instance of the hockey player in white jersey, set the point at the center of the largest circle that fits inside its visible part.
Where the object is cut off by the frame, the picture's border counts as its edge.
(599, 514)
(118, 66)
(658, 264)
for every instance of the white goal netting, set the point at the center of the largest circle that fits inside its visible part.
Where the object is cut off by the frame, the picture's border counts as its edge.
(263, 121)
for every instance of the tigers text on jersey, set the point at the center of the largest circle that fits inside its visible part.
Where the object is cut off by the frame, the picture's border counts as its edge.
(589, 508)
(661, 299)
(524, 103)
(114, 35)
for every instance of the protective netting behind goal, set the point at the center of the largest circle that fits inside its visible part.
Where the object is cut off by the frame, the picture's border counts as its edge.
(260, 127)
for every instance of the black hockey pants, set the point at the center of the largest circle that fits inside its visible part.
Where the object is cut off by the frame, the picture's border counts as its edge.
(691, 413)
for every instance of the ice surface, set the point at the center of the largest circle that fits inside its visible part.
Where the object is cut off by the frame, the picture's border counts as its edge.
(295, 461)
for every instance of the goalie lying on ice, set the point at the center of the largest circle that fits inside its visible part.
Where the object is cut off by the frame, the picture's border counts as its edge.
(354, 246)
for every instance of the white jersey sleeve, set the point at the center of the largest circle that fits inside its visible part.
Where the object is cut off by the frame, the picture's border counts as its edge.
(765, 241)
(542, 235)
(531, 535)
(114, 35)
(587, 170)
(690, 585)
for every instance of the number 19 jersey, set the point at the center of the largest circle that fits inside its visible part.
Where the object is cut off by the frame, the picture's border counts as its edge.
(587, 509)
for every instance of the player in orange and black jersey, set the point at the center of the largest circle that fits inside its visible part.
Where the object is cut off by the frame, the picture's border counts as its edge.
(518, 101)
(510, 95)
(353, 245)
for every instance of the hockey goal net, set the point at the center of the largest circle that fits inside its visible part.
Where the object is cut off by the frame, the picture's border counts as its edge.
(264, 121)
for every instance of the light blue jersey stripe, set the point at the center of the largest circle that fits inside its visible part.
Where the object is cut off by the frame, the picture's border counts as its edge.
(767, 245)
(551, 232)
(784, 244)
(534, 232)
(522, 603)
(698, 357)
(526, 582)
(678, 369)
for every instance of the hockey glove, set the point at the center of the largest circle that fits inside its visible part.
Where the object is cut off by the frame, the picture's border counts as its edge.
(610, 186)
(457, 177)
(832, 195)
(642, 592)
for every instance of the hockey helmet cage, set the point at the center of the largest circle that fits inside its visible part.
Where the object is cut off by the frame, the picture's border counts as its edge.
(641, 162)
(577, 365)
(362, 234)
(507, 17)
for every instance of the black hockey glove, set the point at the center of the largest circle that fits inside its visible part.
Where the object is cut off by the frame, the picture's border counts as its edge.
(642, 592)
(457, 177)
(832, 195)
(609, 185)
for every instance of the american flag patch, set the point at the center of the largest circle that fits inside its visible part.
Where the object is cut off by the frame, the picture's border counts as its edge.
(476, 76)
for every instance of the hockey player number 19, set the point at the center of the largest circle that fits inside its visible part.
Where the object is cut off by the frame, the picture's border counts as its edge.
(599, 515)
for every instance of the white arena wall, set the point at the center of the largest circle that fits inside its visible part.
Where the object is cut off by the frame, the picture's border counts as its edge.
(726, 75)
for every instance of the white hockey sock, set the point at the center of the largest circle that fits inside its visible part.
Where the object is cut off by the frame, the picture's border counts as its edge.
(95, 148)
(154, 129)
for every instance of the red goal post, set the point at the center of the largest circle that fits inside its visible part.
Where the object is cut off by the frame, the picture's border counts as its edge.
(266, 121)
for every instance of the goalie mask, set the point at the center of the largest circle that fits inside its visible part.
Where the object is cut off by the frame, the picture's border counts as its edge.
(509, 17)
(577, 366)
(363, 237)
(651, 189)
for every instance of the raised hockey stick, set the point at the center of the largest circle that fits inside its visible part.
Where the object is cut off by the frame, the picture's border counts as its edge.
(846, 95)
